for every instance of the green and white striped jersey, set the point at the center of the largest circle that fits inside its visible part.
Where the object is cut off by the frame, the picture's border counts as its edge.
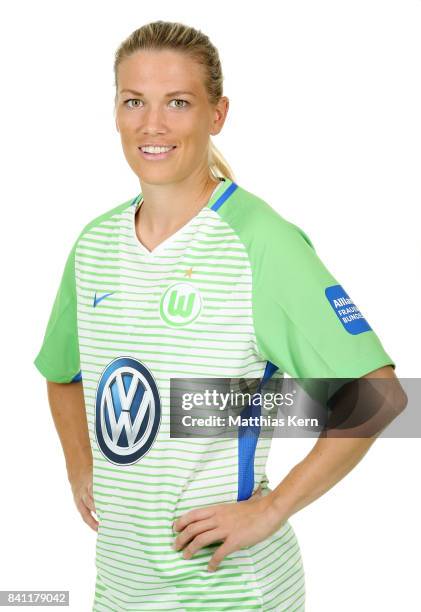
(237, 290)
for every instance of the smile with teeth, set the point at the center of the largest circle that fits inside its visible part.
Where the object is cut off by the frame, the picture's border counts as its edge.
(156, 150)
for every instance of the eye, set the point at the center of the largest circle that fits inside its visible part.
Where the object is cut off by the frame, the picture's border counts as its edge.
(131, 100)
(180, 100)
(126, 102)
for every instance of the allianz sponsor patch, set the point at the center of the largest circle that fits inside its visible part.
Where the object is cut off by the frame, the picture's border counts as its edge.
(347, 312)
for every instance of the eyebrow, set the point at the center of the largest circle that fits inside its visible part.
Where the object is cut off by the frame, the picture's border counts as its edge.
(172, 93)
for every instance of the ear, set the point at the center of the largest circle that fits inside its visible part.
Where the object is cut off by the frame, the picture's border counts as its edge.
(220, 114)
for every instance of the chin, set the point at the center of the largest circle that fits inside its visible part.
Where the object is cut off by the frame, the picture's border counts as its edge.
(157, 177)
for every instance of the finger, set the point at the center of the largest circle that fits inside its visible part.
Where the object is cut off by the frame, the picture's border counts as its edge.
(203, 539)
(192, 530)
(88, 500)
(197, 514)
(87, 517)
(220, 553)
(89, 520)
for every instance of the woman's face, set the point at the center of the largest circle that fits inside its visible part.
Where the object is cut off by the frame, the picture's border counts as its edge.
(162, 100)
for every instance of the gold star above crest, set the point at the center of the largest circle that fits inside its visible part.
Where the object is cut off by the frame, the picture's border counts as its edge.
(188, 272)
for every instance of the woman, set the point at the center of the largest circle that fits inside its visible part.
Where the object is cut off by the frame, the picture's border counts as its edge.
(194, 277)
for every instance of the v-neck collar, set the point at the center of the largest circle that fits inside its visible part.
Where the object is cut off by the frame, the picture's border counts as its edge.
(215, 198)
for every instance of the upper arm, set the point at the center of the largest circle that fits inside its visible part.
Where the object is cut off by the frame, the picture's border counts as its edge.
(305, 322)
(392, 389)
(58, 358)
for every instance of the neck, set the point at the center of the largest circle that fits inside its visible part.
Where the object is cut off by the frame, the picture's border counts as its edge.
(166, 207)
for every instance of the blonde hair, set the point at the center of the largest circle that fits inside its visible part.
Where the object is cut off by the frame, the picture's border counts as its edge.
(179, 37)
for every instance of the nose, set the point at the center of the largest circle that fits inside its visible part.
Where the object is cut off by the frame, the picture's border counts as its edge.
(153, 121)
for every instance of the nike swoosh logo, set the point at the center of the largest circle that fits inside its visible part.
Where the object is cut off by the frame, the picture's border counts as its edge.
(101, 297)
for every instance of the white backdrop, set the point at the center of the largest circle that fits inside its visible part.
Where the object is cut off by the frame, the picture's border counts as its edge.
(324, 124)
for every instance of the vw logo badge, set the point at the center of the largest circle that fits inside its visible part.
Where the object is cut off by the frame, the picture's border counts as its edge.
(127, 411)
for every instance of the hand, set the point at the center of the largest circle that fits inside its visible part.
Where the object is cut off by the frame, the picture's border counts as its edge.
(82, 493)
(237, 524)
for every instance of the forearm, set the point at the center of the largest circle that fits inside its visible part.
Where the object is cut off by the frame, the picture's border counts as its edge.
(68, 410)
(327, 463)
(362, 411)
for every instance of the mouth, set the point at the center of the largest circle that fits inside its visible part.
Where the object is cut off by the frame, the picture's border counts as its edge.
(157, 154)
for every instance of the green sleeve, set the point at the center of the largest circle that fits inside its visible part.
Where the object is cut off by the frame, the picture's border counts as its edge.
(58, 359)
(305, 322)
